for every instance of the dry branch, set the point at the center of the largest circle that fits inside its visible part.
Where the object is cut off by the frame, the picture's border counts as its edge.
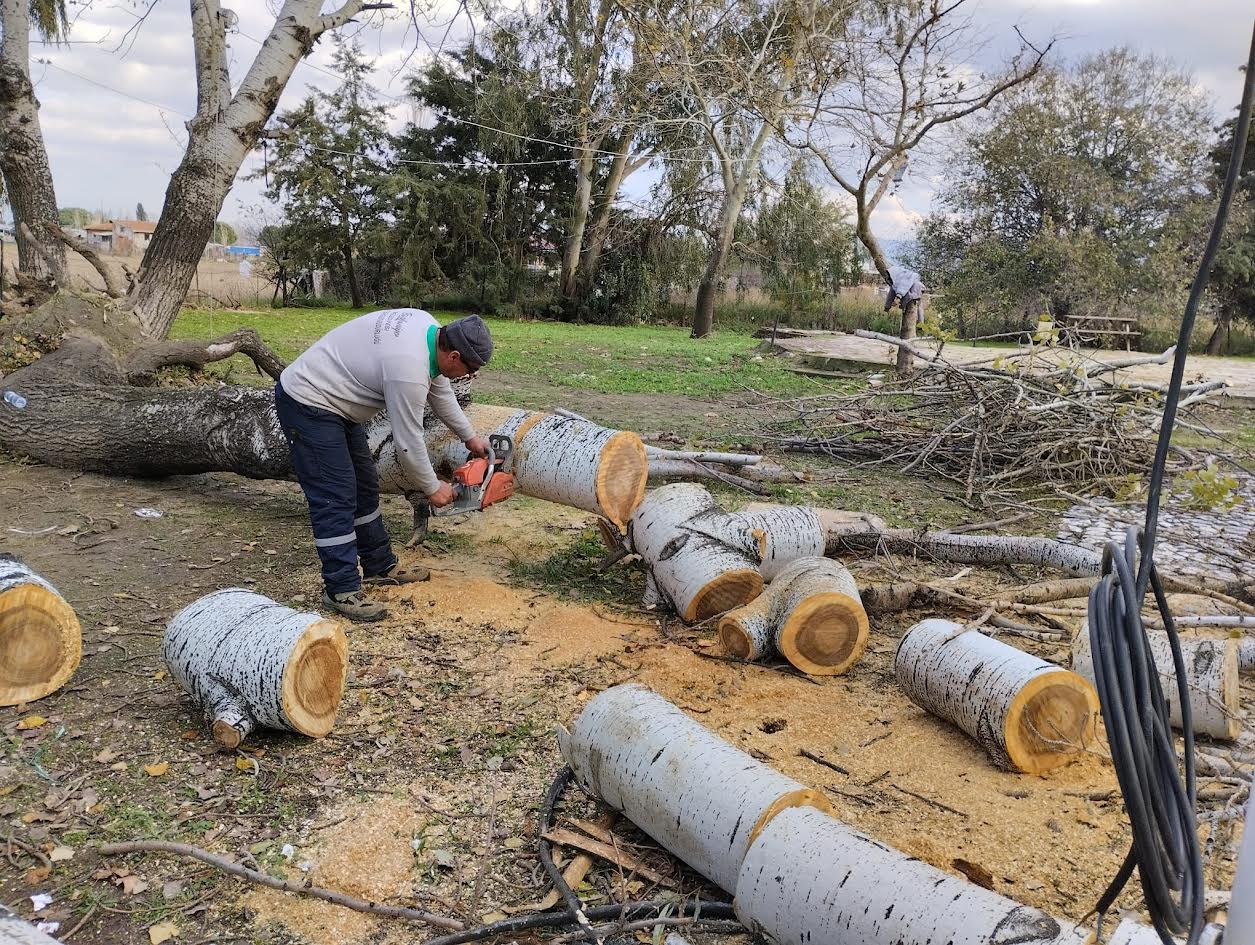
(113, 284)
(273, 882)
(1026, 418)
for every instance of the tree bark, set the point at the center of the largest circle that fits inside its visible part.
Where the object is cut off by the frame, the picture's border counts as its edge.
(226, 128)
(247, 661)
(698, 796)
(1215, 343)
(708, 288)
(596, 241)
(1028, 715)
(355, 293)
(23, 157)
(579, 220)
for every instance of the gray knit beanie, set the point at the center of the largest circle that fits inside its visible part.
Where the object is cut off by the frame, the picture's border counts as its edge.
(470, 338)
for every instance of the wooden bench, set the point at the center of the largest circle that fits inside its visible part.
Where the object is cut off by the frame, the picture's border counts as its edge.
(1094, 329)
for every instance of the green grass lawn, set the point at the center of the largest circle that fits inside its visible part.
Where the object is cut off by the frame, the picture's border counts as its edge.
(618, 360)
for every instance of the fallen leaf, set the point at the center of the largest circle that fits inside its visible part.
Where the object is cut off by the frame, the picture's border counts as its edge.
(31, 721)
(245, 764)
(157, 770)
(37, 875)
(160, 674)
(489, 918)
(172, 890)
(105, 755)
(132, 885)
(61, 853)
(443, 858)
(515, 843)
(162, 932)
(8, 789)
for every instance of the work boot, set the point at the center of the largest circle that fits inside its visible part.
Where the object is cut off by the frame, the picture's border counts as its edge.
(355, 605)
(398, 574)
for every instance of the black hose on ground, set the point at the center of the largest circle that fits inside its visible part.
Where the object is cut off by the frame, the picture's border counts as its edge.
(545, 852)
(1161, 809)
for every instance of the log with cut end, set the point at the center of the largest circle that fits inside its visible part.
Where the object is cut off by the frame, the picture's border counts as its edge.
(1211, 671)
(810, 614)
(702, 561)
(1029, 715)
(248, 661)
(702, 799)
(573, 462)
(40, 637)
(809, 879)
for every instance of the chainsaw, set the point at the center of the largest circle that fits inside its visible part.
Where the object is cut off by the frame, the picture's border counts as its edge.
(481, 482)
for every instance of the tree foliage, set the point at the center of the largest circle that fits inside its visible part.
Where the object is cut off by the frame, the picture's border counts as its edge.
(329, 173)
(1075, 197)
(1233, 277)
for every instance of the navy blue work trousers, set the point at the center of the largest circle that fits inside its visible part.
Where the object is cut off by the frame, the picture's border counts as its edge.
(337, 474)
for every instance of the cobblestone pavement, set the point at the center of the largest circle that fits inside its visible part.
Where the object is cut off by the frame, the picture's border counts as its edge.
(1239, 373)
(1216, 544)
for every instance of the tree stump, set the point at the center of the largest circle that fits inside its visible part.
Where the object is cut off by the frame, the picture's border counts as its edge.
(248, 661)
(40, 637)
(810, 614)
(702, 799)
(1028, 715)
(1211, 675)
(701, 560)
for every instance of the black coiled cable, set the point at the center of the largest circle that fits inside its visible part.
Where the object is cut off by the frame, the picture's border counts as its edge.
(1161, 809)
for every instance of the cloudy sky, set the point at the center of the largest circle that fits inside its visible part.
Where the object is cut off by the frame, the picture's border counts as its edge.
(114, 103)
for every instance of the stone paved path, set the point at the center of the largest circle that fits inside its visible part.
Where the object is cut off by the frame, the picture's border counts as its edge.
(1239, 373)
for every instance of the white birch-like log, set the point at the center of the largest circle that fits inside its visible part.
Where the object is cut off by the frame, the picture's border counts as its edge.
(247, 661)
(1029, 715)
(14, 930)
(1211, 671)
(41, 641)
(854, 531)
(810, 614)
(702, 561)
(572, 462)
(702, 799)
(811, 880)
(786, 533)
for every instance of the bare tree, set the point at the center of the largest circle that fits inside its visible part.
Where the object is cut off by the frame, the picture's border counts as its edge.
(735, 71)
(23, 157)
(906, 73)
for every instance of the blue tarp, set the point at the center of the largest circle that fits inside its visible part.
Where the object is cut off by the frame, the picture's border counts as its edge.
(244, 250)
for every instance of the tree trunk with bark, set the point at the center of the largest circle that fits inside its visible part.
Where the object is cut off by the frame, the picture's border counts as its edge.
(40, 637)
(579, 220)
(1028, 715)
(247, 661)
(708, 288)
(1216, 342)
(811, 614)
(596, 242)
(1211, 677)
(23, 157)
(698, 796)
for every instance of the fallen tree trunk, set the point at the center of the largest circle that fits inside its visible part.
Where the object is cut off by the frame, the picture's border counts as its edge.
(572, 462)
(14, 930)
(122, 430)
(1028, 715)
(700, 559)
(40, 637)
(702, 799)
(810, 879)
(800, 877)
(248, 661)
(1211, 675)
(810, 614)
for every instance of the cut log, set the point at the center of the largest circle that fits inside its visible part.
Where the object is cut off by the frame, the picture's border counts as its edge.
(41, 641)
(811, 615)
(702, 799)
(248, 661)
(785, 533)
(1029, 715)
(703, 562)
(810, 879)
(1211, 669)
(14, 930)
(572, 462)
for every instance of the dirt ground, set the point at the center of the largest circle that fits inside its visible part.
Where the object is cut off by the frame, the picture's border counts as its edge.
(426, 793)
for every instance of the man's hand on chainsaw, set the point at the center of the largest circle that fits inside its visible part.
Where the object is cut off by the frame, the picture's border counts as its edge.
(444, 495)
(478, 445)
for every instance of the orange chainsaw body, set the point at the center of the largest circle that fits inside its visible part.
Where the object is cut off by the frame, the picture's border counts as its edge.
(499, 487)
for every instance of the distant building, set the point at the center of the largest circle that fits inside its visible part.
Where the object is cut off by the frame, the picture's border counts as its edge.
(121, 237)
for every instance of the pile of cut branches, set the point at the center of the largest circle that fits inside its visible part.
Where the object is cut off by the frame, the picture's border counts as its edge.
(1036, 415)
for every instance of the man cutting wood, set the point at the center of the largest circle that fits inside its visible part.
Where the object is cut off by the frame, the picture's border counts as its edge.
(399, 359)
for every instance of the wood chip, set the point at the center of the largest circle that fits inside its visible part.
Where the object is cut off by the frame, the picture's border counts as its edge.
(607, 852)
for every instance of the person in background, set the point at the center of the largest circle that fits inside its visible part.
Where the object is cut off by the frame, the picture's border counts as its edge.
(399, 359)
(905, 286)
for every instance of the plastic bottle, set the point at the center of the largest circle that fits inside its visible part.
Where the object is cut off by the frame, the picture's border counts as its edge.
(15, 399)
